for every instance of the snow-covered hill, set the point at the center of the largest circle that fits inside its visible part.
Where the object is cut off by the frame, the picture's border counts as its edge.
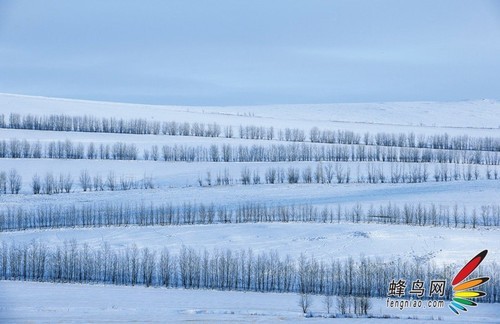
(460, 186)
(462, 117)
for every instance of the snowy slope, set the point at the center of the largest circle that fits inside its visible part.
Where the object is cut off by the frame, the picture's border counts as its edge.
(472, 194)
(42, 302)
(323, 241)
(469, 117)
(177, 183)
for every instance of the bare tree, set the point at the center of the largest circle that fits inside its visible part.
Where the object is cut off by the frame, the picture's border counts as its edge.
(59, 186)
(245, 176)
(339, 171)
(329, 173)
(342, 304)
(36, 184)
(293, 175)
(126, 183)
(208, 179)
(98, 183)
(226, 152)
(49, 183)
(307, 175)
(154, 153)
(271, 174)
(228, 131)
(85, 181)
(365, 305)
(3, 182)
(111, 181)
(148, 182)
(67, 183)
(15, 181)
(328, 302)
(256, 177)
(305, 301)
(91, 151)
(318, 174)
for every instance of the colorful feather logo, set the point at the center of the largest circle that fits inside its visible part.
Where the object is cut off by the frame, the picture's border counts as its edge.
(461, 289)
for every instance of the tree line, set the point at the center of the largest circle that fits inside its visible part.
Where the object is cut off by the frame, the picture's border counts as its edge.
(438, 141)
(51, 183)
(221, 269)
(329, 173)
(50, 216)
(67, 149)
(17, 149)
(10, 182)
(322, 173)
(88, 123)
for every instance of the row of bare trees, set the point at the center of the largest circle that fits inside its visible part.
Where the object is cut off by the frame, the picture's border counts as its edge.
(51, 183)
(242, 153)
(10, 182)
(317, 152)
(14, 218)
(111, 182)
(339, 173)
(267, 133)
(243, 270)
(328, 173)
(439, 141)
(89, 123)
(16, 149)
(94, 124)
(346, 306)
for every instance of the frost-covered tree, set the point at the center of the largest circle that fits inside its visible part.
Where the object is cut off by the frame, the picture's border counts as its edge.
(328, 302)
(245, 176)
(305, 302)
(111, 181)
(85, 180)
(49, 183)
(67, 183)
(293, 175)
(3, 182)
(36, 184)
(15, 181)
(154, 153)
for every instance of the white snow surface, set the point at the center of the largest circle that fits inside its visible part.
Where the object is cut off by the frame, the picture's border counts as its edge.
(26, 302)
(177, 183)
(464, 117)
(323, 241)
(472, 194)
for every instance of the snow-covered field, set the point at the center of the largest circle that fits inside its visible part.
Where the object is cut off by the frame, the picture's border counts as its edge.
(176, 183)
(471, 193)
(428, 117)
(323, 241)
(186, 174)
(46, 302)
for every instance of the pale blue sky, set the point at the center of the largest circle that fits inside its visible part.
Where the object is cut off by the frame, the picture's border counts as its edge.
(251, 52)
